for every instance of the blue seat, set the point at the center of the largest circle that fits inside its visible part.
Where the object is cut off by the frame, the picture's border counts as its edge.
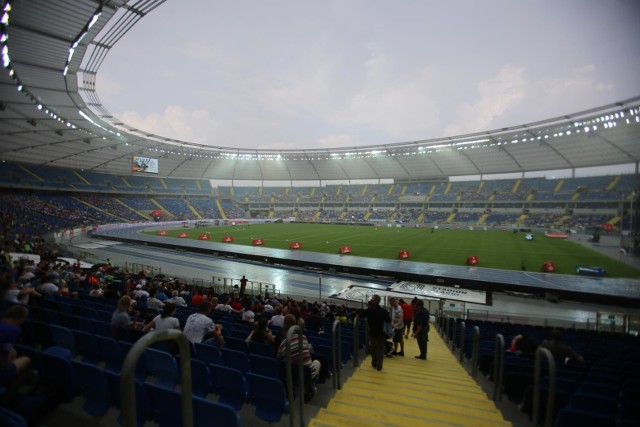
(568, 417)
(87, 346)
(11, 419)
(142, 371)
(91, 382)
(592, 402)
(57, 373)
(200, 377)
(261, 349)
(166, 405)
(230, 385)
(208, 354)
(143, 406)
(63, 337)
(236, 359)
(206, 410)
(110, 353)
(237, 344)
(267, 366)
(269, 397)
(84, 324)
(162, 366)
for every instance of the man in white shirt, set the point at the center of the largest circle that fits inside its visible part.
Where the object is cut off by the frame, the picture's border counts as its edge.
(200, 324)
(177, 299)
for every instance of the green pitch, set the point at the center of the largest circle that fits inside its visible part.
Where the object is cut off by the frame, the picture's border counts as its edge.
(495, 249)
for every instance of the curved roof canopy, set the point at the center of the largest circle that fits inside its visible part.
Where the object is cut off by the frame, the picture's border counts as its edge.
(51, 114)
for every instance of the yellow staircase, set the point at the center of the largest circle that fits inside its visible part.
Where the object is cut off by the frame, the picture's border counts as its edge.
(516, 186)
(30, 172)
(162, 208)
(100, 210)
(558, 185)
(614, 220)
(368, 215)
(81, 178)
(451, 217)
(522, 218)
(142, 214)
(342, 215)
(562, 220)
(420, 217)
(613, 183)
(483, 218)
(192, 208)
(411, 392)
(219, 206)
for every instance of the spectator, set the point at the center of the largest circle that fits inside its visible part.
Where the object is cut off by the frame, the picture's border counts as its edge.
(560, 351)
(153, 303)
(315, 322)
(296, 344)
(14, 371)
(197, 298)
(397, 321)
(200, 324)
(376, 316)
(177, 300)
(407, 316)
(165, 320)
(261, 332)
(278, 318)
(421, 329)
(121, 317)
(524, 344)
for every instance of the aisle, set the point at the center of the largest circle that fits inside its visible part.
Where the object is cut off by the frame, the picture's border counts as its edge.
(411, 392)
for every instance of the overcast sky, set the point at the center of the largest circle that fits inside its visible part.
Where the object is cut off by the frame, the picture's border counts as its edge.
(287, 74)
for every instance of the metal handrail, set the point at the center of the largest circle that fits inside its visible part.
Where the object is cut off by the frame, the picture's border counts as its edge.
(356, 340)
(474, 351)
(551, 394)
(296, 329)
(463, 333)
(336, 353)
(498, 368)
(453, 333)
(127, 384)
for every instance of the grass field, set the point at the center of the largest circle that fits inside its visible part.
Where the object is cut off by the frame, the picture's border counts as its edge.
(494, 248)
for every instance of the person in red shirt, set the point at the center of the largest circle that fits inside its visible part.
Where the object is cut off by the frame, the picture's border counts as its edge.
(197, 299)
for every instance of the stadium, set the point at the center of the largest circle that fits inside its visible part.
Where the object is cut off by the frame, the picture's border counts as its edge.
(482, 226)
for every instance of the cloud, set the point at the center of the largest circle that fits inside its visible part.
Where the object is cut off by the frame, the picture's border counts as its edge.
(398, 102)
(175, 122)
(333, 141)
(495, 96)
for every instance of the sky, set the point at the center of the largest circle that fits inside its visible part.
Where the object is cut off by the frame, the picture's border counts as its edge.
(293, 74)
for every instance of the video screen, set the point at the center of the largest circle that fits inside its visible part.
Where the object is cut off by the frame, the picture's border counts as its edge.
(144, 164)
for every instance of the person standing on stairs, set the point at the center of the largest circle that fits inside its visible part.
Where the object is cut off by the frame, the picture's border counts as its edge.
(376, 316)
(421, 329)
(398, 326)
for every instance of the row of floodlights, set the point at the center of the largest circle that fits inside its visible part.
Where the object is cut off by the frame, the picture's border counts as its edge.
(462, 145)
(607, 121)
(6, 63)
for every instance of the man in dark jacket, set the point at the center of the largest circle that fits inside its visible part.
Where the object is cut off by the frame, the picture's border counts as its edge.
(421, 329)
(376, 316)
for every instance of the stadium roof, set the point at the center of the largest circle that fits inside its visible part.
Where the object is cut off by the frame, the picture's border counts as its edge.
(51, 114)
